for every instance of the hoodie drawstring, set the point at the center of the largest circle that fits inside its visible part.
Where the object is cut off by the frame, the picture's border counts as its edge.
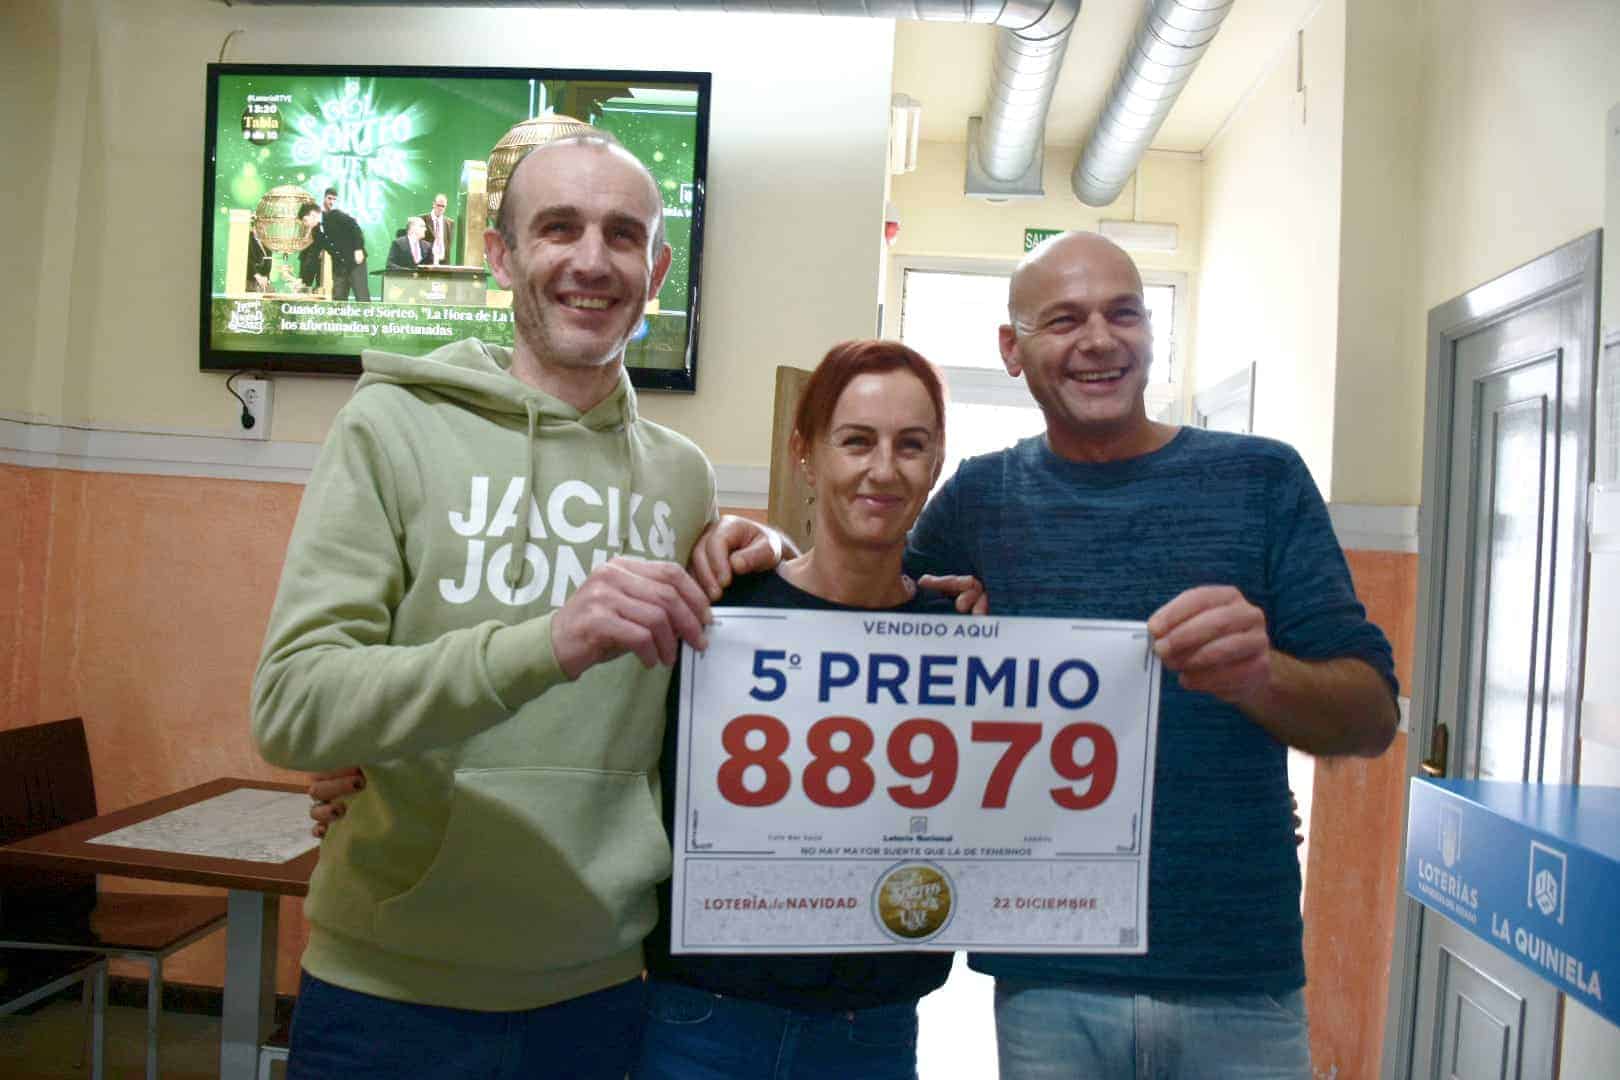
(518, 566)
(629, 459)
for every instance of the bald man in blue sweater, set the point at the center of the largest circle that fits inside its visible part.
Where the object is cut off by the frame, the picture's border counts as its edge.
(1223, 545)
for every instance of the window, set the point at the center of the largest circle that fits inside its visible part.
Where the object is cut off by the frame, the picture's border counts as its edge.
(949, 310)
(951, 318)
(972, 429)
(1161, 305)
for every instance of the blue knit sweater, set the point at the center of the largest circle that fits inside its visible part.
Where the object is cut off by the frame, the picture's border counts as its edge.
(1117, 540)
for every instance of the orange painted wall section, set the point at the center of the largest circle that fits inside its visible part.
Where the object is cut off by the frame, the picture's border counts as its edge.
(25, 528)
(1353, 880)
(139, 603)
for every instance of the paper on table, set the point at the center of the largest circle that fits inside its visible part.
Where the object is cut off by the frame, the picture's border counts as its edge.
(249, 824)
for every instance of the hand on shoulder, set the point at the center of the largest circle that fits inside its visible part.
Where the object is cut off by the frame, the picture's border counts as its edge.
(731, 547)
(968, 591)
(329, 793)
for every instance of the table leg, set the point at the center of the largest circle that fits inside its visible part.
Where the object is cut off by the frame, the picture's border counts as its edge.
(250, 981)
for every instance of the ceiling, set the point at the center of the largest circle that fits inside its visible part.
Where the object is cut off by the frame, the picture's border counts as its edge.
(946, 66)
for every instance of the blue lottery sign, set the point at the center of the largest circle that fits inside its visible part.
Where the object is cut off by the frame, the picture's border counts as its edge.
(1532, 870)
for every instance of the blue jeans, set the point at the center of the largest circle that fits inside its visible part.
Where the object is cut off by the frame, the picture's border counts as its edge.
(1047, 1031)
(696, 1035)
(340, 1034)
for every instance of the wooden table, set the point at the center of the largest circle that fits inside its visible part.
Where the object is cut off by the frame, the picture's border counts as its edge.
(252, 906)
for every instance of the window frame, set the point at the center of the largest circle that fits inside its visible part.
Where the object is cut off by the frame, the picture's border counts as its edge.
(1236, 391)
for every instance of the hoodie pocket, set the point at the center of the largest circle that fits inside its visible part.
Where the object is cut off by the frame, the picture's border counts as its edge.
(539, 869)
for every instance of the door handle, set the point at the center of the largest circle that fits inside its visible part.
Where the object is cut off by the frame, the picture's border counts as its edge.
(1439, 744)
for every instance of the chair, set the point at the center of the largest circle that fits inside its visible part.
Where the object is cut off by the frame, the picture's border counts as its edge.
(274, 1049)
(46, 783)
(29, 976)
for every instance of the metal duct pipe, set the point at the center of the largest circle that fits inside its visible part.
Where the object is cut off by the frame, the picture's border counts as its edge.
(1169, 42)
(1025, 73)
(1029, 51)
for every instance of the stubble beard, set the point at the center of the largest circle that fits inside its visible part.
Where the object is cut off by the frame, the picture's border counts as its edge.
(1079, 416)
(531, 328)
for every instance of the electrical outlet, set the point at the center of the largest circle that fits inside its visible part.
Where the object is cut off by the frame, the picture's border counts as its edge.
(256, 394)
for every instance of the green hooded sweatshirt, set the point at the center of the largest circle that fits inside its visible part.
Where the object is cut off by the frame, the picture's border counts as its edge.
(504, 852)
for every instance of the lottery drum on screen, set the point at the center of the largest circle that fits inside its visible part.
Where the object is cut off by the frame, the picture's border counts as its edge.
(519, 139)
(276, 221)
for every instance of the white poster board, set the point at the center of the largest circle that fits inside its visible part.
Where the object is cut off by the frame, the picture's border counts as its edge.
(852, 781)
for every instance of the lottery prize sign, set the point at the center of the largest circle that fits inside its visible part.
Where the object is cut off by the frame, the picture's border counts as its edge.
(854, 781)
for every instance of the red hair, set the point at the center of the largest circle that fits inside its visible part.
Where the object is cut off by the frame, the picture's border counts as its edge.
(843, 363)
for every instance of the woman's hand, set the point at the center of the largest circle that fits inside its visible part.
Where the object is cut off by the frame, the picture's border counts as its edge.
(971, 599)
(328, 793)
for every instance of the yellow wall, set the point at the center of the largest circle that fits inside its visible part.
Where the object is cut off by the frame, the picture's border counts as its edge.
(1495, 110)
(30, 56)
(1377, 434)
(1513, 130)
(1471, 141)
(1513, 153)
(116, 311)
(1269, 279)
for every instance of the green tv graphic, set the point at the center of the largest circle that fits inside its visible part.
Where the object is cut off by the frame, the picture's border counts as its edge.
(323, 326)
(388, 145)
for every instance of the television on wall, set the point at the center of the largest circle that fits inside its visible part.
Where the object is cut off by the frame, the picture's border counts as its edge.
(282, 290)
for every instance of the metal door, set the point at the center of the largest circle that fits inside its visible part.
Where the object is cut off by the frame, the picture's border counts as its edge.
(1507, 467)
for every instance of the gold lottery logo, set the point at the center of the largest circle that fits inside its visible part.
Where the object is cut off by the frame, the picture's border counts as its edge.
(914, 901)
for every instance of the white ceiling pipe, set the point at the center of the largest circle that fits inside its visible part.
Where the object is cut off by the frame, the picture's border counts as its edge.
(1024, 75)
(1169, 42)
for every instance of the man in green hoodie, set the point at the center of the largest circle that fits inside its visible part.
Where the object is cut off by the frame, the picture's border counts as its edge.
(481, 598)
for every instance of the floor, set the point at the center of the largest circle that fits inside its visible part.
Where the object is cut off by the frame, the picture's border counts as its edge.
(956, 1028)
(956, 1038)
(45, 1045)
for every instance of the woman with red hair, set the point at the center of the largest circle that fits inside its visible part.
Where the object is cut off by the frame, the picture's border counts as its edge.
(869, 438)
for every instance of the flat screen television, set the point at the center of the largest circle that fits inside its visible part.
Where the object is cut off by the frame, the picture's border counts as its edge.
(282, 295)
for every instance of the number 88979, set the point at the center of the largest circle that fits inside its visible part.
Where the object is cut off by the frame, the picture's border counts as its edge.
(938, 768)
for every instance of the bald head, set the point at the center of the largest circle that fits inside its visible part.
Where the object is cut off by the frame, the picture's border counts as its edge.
(1071, 255)
(597, 141)
(1080, 336)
